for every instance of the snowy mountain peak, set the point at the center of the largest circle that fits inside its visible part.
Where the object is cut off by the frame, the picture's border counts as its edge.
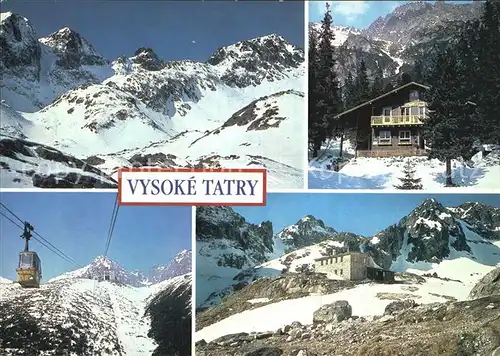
(148, 59)
(73, 50)
(18, 42)
(270, 48)
(180, 265)
(305, 232)
(250, 62)
(182, 255)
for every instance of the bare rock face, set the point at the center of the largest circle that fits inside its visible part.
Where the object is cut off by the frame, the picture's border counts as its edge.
(488, 285)
(333, 313)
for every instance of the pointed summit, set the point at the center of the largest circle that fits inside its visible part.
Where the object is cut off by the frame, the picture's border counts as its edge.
(72, 49)
(307, 231)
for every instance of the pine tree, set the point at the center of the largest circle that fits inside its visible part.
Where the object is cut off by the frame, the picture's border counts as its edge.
(489, 71)
(327, 101)
(405, 78)
(361, 84)
(314, 124)
(409, 181)
(378, 83)
(418, 72)
(348, 92)
(447, 127)
(388, 87)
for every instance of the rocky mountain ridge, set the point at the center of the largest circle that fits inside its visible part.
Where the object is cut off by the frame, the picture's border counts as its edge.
(60, 92)
(429, 234)
(394, 42)
(101, 266)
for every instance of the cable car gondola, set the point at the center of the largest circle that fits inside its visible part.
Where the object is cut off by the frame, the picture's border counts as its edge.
(29, 269)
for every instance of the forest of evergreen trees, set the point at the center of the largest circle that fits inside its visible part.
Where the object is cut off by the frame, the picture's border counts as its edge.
(464, 95)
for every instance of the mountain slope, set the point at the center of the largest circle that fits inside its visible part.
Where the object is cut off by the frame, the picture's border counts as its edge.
(431, 238)
(84, 314)
(180, 265)
(394, 42)
(70, 98)
(83, 317)
(439, 255)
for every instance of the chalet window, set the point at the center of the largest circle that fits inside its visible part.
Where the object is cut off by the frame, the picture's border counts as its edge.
(414, 95)
(384, 137)
(406, 111)
(341, 259)
(421, 110)
(387, 111)
(341, 271)
(414, 110)
(335, 271)
(404, 136)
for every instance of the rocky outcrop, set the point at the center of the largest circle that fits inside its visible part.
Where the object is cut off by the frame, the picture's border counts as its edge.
(488, 285)
(170, 312)
(62, 170)
(252, 61)
(333, 313)
(227, 226)
(465, 328)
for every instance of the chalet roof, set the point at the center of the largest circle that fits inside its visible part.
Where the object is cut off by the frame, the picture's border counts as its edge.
(338, 255)
(382, 96)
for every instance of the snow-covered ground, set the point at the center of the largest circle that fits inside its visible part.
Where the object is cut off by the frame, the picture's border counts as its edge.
(462, 269)
(175, 114)
(121, 307)
(384, 173)
(363, 299)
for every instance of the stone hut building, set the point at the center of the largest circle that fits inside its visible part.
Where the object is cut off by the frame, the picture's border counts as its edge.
(354, 266)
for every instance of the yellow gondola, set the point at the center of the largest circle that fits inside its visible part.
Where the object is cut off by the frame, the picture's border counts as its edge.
(29, 269)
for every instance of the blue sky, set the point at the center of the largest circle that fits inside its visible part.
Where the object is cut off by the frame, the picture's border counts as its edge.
(359, 14)
(364, 214)
(78, 223)
(174, 29)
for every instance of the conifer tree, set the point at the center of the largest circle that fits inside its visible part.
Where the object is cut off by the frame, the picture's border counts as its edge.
(314, 124)
(405, 78)
(349, 99)
(378, 83)
(447, 128)
(409, 181)
(327, 101)
(418, 72)
(489, 72)
(361, 84)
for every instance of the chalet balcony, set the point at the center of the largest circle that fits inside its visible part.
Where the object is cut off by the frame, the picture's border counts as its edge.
(397, 120)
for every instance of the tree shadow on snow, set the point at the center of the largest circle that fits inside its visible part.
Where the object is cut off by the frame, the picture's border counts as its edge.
(462, 176)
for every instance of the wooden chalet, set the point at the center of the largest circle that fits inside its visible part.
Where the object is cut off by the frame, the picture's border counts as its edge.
(390, 124)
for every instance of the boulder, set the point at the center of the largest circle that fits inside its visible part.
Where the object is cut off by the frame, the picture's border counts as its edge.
(333, 313)
(487, 286)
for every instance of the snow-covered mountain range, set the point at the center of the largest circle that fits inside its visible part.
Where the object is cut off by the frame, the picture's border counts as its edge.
(394, 42)
(446, 262)
(232, 252)
(180, 265)
(78, 314)
(229, 111)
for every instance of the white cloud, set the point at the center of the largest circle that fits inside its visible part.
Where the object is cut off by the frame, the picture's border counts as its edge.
(193, 41)
(349, 11)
